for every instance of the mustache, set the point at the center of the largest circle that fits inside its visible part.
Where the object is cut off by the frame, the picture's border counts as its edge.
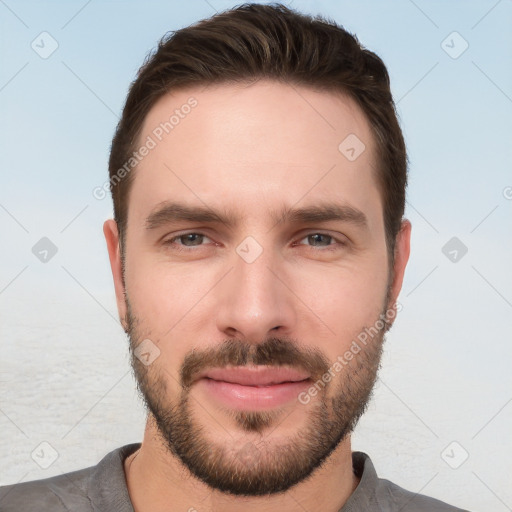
(272, 352)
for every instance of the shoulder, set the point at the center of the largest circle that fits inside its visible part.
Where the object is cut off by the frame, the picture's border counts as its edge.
(393, 497)
(85, 490)
(60, 493)
(380, 494)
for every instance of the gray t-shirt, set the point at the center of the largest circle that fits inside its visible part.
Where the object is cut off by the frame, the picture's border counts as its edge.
(102, 488)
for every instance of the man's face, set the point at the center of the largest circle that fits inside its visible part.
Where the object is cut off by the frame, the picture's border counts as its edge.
(243, 313)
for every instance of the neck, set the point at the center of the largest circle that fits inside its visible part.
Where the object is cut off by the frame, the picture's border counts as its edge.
(156, 478)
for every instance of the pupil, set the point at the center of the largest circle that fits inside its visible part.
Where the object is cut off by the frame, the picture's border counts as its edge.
(192, 237)
(317, 238)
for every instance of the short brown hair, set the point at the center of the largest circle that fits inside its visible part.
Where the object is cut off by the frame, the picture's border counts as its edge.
(255, 41)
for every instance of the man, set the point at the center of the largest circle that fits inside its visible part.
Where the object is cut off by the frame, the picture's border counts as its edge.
(258, 249)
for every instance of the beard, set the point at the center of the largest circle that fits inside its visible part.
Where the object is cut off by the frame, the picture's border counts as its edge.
(254, 463)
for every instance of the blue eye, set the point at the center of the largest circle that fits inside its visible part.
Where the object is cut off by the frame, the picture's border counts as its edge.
(316, 239)
(323, 242)
(186, 240)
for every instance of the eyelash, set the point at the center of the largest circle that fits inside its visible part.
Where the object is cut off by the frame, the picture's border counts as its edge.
(181, 247)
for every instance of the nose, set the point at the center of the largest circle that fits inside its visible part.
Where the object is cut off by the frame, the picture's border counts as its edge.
(254, 302)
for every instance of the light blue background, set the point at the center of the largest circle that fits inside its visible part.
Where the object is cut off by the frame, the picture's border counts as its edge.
(64, 374)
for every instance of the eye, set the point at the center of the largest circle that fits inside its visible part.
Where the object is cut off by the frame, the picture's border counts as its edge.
(322, 240)
(186, 240)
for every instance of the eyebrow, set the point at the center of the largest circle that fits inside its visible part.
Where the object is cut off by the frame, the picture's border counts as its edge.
(169, 212)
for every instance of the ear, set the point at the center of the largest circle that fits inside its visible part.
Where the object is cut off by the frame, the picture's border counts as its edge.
(402, 250)
(114, 253)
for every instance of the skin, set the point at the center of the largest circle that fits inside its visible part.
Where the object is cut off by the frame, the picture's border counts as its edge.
(252, 149)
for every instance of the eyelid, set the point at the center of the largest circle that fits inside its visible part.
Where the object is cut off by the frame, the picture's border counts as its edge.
(339, 239)
(174, 237)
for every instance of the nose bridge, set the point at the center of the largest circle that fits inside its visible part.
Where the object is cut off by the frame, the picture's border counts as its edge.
(253, 301)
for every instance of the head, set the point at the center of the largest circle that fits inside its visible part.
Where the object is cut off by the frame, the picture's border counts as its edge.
(258, 175)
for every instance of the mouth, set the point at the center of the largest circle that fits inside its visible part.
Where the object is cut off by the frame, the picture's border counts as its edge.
(253, 387)
(255, 375)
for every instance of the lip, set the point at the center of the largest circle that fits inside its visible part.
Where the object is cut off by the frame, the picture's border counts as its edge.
(253, 388)
(255, 375)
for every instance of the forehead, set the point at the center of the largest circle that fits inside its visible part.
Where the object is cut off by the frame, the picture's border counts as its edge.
(262, 145)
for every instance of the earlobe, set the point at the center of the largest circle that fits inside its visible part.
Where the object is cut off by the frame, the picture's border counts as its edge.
(111, 233)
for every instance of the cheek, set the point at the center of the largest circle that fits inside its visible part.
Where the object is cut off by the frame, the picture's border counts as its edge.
(164, 298)
(334, 301)
(162, 291)
(346, 301)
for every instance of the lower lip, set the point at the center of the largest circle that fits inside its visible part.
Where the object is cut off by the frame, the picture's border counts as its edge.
(253, 397)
